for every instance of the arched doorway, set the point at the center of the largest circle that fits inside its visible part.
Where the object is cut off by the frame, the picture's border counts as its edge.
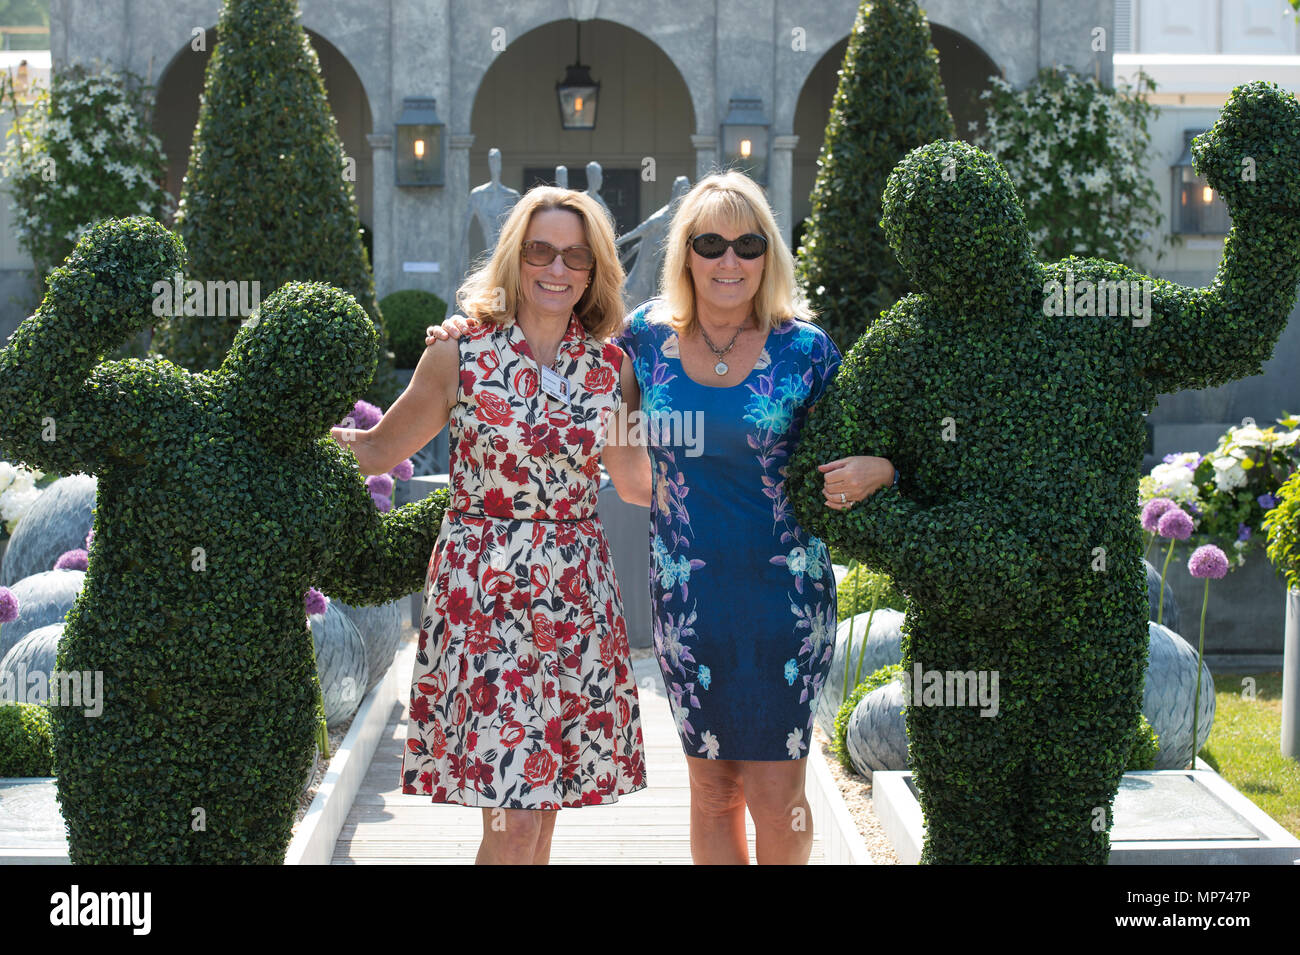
(964, 69)
(177, 113)
(644, 112)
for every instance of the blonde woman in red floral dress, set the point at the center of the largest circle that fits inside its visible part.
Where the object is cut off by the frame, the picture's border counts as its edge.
(523, 700)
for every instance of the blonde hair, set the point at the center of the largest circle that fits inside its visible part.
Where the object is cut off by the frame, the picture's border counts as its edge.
(721, 200)
(492, 292)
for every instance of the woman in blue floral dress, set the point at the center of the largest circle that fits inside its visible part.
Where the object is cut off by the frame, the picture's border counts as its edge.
(728, 367)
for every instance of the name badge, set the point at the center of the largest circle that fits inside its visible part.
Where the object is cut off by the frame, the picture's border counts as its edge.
(555, 385)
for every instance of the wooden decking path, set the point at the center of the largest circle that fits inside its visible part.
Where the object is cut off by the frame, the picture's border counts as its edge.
(647, 827)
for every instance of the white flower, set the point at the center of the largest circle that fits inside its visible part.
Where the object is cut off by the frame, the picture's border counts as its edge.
(1173, 479)
(1249, 437)
(15, 502)
(710, 745)
(7, 474)
(797, 561)
(794, 743)
(1228, 474)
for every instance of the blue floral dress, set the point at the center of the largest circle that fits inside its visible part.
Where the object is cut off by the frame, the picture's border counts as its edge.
(743, 598)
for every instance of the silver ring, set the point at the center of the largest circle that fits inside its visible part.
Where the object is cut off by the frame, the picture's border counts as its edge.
(841, 497)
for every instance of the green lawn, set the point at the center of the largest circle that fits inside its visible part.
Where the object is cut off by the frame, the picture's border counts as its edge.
(1245, 746)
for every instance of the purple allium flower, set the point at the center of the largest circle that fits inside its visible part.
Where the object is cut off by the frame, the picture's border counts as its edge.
(1155, 508)
(1243, 532)
(404, 470)
(381, 483)
(365, 415)
(72, 560)
(1208, 561)
(90, 537)
(382, 501)
(316, 601)
(8, 605)
(1176, 524)
(1267, 501)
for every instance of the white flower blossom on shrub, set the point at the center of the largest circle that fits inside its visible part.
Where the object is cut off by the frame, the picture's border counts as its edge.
(1076, 152)
(81, 151)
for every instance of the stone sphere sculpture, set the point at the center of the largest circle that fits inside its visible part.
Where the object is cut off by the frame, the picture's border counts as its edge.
(340, 663)
(1009, 392)
(43, 599)
(876, 736)
(1168, 693)
(879, 648)
(221, 499)
(31, 661)
(381, 632)
(56, 522)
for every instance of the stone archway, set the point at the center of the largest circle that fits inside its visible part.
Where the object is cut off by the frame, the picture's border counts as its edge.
(177, 112)
(645, 112)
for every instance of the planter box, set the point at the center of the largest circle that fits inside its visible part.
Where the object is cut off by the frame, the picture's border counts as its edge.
(842, 844)
(1162, 817)
(314, 838)
(1245, 619)
(1291, 678)
(31, 829)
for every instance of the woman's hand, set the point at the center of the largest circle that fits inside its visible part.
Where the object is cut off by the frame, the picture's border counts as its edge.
(452, 327)
(855, 478)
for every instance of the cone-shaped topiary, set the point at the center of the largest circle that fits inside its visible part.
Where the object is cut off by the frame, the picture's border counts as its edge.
(265, 198)
(889, 99)
(1010, 395)
(221, 498)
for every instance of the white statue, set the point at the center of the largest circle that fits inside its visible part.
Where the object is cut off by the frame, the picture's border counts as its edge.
(596, 179)
(489, 204)
(562, 176)
(643, 277)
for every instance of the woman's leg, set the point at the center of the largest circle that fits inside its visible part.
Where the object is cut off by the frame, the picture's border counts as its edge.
(783, 826)
(717, 812)
(515, 836)
(542, 854)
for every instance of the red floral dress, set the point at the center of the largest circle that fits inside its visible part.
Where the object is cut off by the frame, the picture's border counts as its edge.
(523, 695)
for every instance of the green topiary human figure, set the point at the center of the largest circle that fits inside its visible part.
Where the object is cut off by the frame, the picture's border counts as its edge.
(889, 99)
(1018, 431)
(221, 498)
(266, 196)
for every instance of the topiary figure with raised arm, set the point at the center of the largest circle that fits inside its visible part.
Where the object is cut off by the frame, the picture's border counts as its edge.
(1010, 395)
(221, 498)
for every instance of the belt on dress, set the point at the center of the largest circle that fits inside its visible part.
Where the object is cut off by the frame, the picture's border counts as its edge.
(548, 520)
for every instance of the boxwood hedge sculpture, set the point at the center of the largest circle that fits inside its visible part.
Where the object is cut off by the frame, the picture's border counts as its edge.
(221, 499)
(1014, 411)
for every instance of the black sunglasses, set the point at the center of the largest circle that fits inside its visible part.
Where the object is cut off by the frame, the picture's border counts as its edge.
(710, 245)
(537, 252)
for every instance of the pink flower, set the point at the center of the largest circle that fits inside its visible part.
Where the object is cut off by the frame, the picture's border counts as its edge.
(1176, 524)
(1153, 511)
(1208, 561)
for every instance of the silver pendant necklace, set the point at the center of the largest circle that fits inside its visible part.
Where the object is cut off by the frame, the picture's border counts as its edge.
(721, 368)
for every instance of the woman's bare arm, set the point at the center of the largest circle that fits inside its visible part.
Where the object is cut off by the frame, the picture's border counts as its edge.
(416, 416)
(628, 463)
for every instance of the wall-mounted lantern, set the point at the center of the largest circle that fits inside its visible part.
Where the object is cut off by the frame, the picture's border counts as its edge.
(745, 138)
(420, 148)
